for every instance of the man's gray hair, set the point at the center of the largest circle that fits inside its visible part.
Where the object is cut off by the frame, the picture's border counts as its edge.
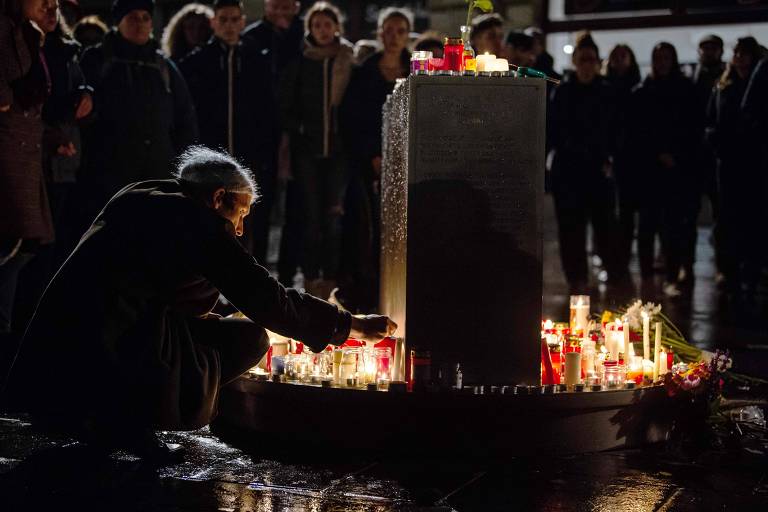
(204, 167)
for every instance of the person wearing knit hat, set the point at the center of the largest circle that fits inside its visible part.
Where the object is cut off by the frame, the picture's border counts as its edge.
(122, 7)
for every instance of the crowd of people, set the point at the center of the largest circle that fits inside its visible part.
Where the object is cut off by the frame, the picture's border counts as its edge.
(86, 109)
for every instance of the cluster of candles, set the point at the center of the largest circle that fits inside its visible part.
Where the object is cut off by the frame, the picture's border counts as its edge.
(354, 364)
(570, 355)
(423, 63)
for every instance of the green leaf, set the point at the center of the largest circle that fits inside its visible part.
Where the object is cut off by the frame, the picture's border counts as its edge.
(483, 5)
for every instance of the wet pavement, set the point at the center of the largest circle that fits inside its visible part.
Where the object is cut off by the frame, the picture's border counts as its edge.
(41, 472)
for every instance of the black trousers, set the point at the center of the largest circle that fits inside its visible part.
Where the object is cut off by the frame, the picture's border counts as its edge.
(578, 203)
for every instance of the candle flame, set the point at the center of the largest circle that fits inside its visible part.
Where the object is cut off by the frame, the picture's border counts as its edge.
(603, 349)
(618, 322)
(549, 324)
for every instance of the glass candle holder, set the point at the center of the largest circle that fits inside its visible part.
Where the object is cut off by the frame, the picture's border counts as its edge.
(614, 375)
(383, 358)
(420, 62)
(349, 365)
(579, 313)
(453, 54)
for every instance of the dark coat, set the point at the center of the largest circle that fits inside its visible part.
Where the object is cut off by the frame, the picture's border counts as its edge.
(24, 210)
(664, 117)
(279, 46)
(312, 89)
(111, 334)
(67, 89)
(581, 124)
(144, 115)
(361, 117)
(252, 124)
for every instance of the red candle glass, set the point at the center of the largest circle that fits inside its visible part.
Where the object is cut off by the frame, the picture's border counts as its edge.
(453, 54)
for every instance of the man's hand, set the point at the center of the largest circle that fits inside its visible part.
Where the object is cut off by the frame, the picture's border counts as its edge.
(372, 328)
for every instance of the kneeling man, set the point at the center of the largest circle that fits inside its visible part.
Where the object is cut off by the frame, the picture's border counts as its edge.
(123, 341)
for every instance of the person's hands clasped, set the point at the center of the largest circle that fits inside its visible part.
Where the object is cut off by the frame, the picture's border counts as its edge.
(372, 328)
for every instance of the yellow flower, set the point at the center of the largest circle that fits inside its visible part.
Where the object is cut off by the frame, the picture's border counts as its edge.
(607, 317)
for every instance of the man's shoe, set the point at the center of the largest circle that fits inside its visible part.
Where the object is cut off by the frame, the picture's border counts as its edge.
(154, 451)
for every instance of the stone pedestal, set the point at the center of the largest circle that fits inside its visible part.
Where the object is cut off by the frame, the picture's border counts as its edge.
(462, 189)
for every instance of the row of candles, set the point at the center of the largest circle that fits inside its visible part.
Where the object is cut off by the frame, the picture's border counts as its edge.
(570, 355)
(354, 364)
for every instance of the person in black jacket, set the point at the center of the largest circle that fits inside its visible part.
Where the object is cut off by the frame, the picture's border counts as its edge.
(231, 89)
(734, 132)
(147, 353)
(620, 70)
(278, 36)
(144, 113)
(663, 134)
(312, 90)
(369, 86)
(581, 121)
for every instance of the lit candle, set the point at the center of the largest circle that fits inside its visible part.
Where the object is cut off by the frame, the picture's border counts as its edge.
(618, 335)
(663, 363)
(579, 313)
(656, 349)
(646, 336)
(647, 369)
(483, 60)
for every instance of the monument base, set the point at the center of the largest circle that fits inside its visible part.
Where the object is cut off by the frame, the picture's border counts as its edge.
(342, 421)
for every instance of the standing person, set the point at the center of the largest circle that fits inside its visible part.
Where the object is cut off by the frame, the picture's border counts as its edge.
(663, 135)
(312, 90)
(145, 116)
(580, 130)
(371, 82)
(487, 35)
(738, 146)
(519, 49)
(147, 354)
(25, 217)
(278, 36)
(706, 74)
(230, 85)
(188, 29)
(544, 61)
(620, 70)
(89, 31)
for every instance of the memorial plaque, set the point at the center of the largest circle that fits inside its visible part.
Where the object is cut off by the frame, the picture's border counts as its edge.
(461, 226)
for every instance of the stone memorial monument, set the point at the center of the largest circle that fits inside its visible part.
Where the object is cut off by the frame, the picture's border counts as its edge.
(462, 188)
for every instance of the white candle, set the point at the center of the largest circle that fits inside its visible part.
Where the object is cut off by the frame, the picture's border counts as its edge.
(498, 65)
(646, 336)
(482, 61)
(630, 351)
(572, 368)
(618, 335)
(656, 349)
(663, 363)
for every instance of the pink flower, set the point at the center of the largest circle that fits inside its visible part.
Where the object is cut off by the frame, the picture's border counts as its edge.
(691, 382)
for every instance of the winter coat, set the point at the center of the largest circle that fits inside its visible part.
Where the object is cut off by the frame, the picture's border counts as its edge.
(734, 140)
(67, 89)
(664, 117)
(24, 85)
(704, 80)
(362, 118)
(581, 129)
(144, 116)
(231, 90)
(279, 46)
(311, 91)
(112, 327)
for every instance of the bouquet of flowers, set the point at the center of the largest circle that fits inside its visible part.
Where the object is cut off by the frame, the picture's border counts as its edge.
(700, 379)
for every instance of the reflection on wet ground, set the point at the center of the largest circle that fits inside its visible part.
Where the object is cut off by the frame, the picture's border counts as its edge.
(37, 471)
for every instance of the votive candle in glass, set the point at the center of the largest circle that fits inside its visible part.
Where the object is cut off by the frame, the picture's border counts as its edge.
(453, 54)
(579, 313)
(420, 62)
